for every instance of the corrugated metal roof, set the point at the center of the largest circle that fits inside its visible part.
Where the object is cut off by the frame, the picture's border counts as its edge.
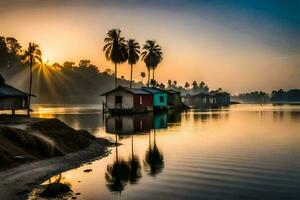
(153, 90)
(9, 91)
(131, 90)
(137, 91)
(172, 91)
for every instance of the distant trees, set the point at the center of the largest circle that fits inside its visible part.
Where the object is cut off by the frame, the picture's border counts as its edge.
(286, 96)
(252, 97)
(186, 85)
(31, 56)
(115, 49)
(152, 56)
(133, 50)
(201, 87)
(68, 82)
(169, 83)
(10, 49)
(175, 83)
(84, 63)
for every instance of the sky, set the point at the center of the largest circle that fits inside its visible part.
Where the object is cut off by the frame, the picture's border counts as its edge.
(238, 45)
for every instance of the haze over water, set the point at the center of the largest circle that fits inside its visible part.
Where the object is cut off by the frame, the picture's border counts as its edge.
(240, 152)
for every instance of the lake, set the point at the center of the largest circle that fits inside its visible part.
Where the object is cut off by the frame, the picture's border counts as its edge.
(240, 152)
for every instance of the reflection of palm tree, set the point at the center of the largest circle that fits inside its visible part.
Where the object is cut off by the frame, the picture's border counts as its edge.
(121, 171)
(135, 166)
(31, 56)
(154, 160)
(117, 174)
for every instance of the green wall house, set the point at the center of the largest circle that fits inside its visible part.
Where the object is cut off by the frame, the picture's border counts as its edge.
(160, 97)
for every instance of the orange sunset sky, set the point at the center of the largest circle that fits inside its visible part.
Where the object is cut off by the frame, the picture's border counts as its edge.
(236, 47)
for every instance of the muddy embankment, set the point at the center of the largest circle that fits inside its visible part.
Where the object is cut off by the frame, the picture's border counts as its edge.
(40, 148)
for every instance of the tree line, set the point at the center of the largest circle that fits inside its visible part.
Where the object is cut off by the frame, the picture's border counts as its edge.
(80, 82)
(280, 95)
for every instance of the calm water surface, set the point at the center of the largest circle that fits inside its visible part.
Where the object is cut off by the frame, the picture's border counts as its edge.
(241, 152)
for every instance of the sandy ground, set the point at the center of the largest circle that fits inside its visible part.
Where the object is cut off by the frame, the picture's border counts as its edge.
(17, 183)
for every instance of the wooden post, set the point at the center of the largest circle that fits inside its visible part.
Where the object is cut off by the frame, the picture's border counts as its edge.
(13, 113)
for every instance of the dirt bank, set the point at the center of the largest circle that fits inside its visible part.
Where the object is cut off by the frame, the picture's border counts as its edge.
(43, 148)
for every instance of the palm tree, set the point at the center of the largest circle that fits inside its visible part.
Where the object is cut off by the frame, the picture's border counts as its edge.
(152, 56)
(133, 51)
(187, 85)
(31, 56)
(115, 49)
(143, 76)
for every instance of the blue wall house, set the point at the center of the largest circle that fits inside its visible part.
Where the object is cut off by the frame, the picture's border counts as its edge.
(160, 98)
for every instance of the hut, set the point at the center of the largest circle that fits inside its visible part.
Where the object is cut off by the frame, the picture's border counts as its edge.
(207, 100)
(123, 99)
(201, 100)
(174, 99)
(12, 98)
(160, 98)
(218, 99)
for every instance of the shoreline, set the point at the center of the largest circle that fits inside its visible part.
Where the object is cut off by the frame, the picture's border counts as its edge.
(34, 149)
(18, 182)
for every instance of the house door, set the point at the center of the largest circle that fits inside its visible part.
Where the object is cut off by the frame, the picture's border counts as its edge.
(118, 102)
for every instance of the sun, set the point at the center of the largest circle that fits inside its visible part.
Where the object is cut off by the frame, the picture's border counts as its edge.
(45, 60)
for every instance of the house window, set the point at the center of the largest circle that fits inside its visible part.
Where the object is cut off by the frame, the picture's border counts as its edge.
(119, 99)
(161, 99)
(141, 100)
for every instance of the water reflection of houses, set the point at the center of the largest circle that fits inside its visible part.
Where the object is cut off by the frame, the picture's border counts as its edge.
(160, 120)
(206, 100)
(122, 171)
(129, 124)
(138, 123)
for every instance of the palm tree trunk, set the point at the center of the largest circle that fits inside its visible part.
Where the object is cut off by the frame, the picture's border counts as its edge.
(148, 77)
(130, 76)
(116, 78)
(30, 87)
(153, 76)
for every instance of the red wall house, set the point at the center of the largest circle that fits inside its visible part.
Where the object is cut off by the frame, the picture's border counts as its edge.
(128, 100)
(142, 102)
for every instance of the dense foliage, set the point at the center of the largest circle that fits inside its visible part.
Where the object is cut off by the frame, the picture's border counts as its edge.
(55, 83)
(262, 97)
(252, 97)
(286, 96)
